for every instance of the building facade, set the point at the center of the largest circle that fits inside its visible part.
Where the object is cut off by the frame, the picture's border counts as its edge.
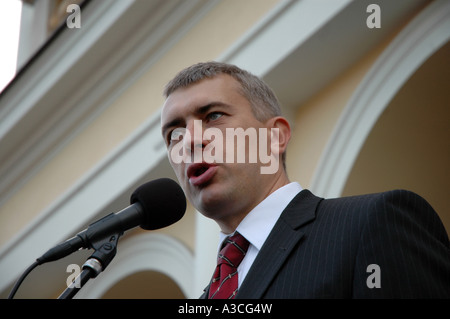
(364, 85)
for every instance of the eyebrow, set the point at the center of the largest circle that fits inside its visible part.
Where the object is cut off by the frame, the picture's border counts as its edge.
(170, 124)
(198, 111)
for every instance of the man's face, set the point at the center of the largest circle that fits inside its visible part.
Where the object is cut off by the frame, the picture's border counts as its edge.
(220, 190)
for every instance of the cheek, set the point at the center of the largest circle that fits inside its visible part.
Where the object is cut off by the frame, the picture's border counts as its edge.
(178, 168)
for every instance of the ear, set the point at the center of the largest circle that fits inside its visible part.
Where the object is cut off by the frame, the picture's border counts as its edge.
(283, 130)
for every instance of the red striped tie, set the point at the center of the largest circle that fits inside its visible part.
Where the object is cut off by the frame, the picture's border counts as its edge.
(225, 282)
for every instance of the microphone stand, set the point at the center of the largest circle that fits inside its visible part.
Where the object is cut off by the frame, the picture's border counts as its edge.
(105, 251)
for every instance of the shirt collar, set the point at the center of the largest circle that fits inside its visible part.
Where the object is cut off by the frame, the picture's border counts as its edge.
(257, 225)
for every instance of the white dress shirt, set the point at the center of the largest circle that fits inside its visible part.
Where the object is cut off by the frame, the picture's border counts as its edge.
(258, 224)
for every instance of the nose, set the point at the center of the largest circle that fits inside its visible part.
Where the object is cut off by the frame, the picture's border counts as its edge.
(196, 141)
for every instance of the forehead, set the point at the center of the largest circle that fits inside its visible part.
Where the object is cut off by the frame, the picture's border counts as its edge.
(222, 88)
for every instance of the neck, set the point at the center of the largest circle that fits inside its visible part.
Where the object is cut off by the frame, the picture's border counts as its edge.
(228, 225)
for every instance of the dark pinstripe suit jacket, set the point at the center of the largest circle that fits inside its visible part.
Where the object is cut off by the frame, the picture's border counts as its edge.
(322, 249)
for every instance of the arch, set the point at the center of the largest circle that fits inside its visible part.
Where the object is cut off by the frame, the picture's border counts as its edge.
(408, 146)
(414, 45)
(148, 284)
(145, 252)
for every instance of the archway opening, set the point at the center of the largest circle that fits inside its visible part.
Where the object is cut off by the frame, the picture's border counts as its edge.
(408, 147)
(145, 285)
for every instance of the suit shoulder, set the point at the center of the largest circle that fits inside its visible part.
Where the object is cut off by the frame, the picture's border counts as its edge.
(399, 197)
(396, 205)
(402, 202)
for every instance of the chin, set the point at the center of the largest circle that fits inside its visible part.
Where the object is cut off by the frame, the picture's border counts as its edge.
(210, 202)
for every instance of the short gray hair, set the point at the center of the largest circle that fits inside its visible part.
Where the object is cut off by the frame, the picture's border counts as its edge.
(263, 100)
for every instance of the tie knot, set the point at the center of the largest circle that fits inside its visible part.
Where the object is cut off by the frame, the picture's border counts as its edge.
(234, 249)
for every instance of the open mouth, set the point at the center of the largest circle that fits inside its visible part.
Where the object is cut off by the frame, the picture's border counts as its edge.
(200, 173)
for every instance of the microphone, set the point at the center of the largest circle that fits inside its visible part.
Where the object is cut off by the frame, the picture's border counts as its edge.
(156, 204)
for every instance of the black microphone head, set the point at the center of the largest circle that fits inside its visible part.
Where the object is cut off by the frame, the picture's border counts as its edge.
(163, 202)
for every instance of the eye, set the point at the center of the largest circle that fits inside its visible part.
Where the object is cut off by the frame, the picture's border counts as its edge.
(176, 134)
(214, 116)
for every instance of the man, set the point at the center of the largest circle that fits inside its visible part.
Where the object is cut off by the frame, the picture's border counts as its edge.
(280, 241)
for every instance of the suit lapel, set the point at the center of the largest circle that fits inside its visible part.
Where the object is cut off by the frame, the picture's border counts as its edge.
(282, 239)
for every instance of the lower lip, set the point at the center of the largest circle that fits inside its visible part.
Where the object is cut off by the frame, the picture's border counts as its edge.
(203, 178)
